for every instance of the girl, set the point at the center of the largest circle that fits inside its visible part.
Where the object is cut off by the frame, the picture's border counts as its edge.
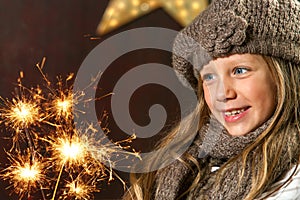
(245, 71)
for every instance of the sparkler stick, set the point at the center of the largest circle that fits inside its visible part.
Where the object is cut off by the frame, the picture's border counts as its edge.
(58, 180)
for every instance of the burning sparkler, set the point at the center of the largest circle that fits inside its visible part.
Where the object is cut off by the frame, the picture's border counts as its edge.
(81, 188)
(71, 150)
(24, 175)
(80, 191)
(44, 123)
(23, 110)
(19, 114)
(63, 106)
(68, 150)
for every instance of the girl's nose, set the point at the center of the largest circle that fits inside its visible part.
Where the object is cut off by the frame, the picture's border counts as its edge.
(225, 90)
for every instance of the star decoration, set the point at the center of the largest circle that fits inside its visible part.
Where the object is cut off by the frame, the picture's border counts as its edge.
(120, 12)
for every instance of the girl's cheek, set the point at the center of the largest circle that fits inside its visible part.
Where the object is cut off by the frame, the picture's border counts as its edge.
(207, 97)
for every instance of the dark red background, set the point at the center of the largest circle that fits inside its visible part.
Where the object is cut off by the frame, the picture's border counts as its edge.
(56, 29)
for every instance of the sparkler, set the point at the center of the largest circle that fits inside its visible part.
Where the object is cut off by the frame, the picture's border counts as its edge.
(19, 114)
(24, 175)
(80, 190)
(69, 151)
(63, 100)
(53, 147)
(23, 113)
(23, 110)
(63, 107)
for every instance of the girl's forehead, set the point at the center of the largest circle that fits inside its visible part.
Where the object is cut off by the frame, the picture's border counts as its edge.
(235, 59)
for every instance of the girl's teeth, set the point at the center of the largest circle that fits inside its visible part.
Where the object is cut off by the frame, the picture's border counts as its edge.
(234, 112)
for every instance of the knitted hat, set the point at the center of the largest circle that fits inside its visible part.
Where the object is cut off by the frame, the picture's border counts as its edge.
(267, 27)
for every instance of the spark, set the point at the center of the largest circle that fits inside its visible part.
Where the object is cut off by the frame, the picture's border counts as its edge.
(23, 112)
(44, 118)
(102, 153)
(24, 175)
(28, 173)
(24, 108)
(61, 106)
(80, 190)
(20, 113)
(69, 150)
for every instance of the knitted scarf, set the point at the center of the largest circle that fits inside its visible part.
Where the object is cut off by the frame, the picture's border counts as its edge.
(213, 147)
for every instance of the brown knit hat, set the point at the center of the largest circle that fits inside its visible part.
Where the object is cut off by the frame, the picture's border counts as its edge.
(267, 27)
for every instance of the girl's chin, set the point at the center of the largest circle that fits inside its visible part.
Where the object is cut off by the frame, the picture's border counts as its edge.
(237, 131)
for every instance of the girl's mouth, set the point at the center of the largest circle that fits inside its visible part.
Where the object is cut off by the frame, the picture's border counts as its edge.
(234, 115)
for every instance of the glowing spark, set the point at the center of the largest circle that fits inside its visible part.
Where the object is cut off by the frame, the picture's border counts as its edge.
(21, 114)
(76, 189)
(63, 106)
(71, 150)
(23, 175)
(59, 148)
(27, 173)
(80, 190)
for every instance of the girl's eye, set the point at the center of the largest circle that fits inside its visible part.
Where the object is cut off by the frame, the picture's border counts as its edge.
(240, 70)
(208, 77)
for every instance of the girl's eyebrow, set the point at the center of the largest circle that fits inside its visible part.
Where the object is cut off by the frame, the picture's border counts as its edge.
(208, 66)
(205, 70)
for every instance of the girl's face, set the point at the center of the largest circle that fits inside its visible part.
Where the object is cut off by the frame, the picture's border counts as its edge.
(239, 91)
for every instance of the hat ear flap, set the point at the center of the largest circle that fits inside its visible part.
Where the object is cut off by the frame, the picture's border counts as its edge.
(185, 72)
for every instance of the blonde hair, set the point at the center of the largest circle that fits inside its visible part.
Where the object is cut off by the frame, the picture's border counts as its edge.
(285, 121)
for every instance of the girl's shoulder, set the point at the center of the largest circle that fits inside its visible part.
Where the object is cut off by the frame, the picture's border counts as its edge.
(290, 190)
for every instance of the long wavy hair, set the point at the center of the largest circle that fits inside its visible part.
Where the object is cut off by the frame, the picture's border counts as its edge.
(269, 145)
